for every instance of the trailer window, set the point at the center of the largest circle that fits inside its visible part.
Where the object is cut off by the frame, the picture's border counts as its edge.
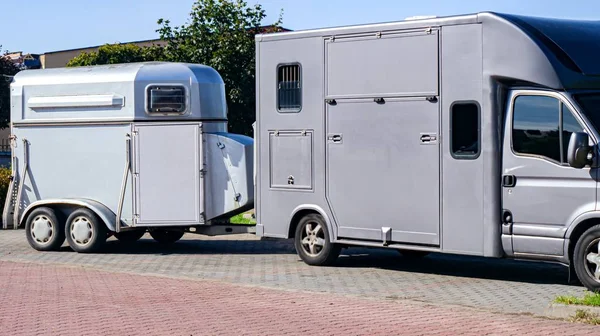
(542, 126)
(289, 88)
(165, 99)
(464, 121)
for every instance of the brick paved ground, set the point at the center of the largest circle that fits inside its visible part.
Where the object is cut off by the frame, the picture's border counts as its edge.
(484, 284)
(51, 300)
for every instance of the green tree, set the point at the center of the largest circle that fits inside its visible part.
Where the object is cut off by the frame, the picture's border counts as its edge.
(118, 53)
(7, 70)
(220, 34)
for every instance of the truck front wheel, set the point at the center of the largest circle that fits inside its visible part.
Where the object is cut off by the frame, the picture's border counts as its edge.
(586, 259)
(312, 242)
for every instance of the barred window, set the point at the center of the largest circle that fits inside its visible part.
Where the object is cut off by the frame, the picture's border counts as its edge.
(289, 88)
(166, 99)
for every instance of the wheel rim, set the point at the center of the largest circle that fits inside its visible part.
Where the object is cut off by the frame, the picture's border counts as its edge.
(42, 229)
(592, 257)
(313, 239)
(81, 231)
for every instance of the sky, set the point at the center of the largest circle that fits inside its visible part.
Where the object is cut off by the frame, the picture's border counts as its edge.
(39, 26)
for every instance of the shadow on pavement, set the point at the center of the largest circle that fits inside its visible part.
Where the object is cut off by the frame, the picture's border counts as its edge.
(358, 257)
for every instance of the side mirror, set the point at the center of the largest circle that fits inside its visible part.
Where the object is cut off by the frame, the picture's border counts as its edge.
(579, 150)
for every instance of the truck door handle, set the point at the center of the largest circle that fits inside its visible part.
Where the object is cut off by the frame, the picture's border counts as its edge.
(428, 138)
(509, 181)
(335, 138)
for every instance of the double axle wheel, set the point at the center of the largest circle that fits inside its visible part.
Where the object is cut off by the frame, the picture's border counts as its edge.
(83, 230)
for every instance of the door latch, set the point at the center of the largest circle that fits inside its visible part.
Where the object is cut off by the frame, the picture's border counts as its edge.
(509, 181)
(427, 139)
(335, 138)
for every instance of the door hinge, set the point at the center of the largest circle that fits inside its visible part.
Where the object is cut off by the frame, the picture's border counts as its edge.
(330, 101)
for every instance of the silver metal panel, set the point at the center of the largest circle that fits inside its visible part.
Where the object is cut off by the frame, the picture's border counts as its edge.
(229, 169)
(291, 159)
(538, 245)
(381, 174)
(82, 162)
(462, 206)
(549, 231)
(167, 180)
(394, 64)
(276, 207)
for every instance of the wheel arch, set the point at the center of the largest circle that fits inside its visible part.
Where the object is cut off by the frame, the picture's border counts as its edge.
(101, 210)
(581, 224)
(305, 209)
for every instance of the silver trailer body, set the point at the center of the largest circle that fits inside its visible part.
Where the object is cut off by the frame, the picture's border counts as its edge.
(405, 135)
(145, 143)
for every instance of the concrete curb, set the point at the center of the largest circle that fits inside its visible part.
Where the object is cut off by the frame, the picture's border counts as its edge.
(562, 311)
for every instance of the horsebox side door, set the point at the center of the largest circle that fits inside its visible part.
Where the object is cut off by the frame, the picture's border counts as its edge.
(167, 174)
(382, 122)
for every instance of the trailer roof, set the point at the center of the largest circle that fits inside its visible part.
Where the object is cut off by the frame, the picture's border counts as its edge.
(128, 72)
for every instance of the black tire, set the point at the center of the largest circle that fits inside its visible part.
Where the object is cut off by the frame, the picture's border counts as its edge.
(587, 245)
(323, 255)
(166, 236)
(85, 231)
(50, 232)
(130, 236)
(413, 254)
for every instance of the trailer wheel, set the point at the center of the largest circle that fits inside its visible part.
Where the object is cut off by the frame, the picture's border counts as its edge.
(586, 259)
(85, 232)
(130, 236)
(312, 242)
(166, 236)
(44, 231)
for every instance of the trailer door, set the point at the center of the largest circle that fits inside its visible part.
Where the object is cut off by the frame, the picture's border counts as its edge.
(167, 174)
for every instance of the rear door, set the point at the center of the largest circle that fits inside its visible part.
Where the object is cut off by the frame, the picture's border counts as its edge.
(167, 179)
(382, 122)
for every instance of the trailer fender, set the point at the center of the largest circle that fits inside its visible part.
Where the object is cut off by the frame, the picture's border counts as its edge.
(314, 208)
(105, 214)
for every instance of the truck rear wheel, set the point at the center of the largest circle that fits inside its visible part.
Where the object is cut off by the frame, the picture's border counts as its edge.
(166, 236)
(44, 231)
(312, 242)
(586, 259)
(85, 232)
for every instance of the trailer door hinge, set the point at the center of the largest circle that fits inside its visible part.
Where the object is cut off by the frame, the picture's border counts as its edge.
(378, 34)
(428, 30)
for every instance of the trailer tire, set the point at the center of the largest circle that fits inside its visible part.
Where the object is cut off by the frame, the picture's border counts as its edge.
(166, 236)
(586, 258)
(130, 236)
(85, 231)
(44, 231)
(312, 242)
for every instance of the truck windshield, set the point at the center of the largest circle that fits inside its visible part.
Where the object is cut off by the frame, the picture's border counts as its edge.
(590, 103)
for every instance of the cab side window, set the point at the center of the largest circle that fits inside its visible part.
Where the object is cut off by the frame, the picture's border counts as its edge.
(542, 126)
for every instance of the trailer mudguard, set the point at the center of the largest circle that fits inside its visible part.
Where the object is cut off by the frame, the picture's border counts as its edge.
(101, 210)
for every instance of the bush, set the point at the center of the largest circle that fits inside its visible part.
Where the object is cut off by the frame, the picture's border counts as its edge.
(4, 183)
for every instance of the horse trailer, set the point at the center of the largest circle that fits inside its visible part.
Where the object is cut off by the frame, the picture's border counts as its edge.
(124, 149)
(473, 134)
